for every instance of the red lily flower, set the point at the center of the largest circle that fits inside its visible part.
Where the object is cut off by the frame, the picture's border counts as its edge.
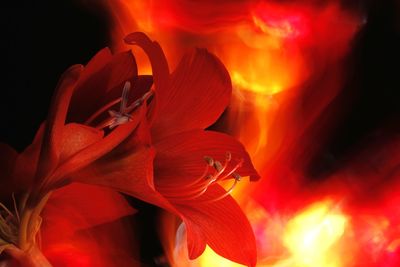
(188, 161)
(169, 160)
(64, 144)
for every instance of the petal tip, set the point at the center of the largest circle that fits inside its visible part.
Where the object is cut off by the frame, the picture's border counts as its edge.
(134, 37)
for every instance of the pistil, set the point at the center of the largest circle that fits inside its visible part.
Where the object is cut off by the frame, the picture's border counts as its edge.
(124, 114)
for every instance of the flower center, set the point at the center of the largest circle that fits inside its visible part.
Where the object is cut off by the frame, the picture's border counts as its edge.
(214, 172)
(124, 114)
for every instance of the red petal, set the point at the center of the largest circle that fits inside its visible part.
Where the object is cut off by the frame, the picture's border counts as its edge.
(56, 119)
(158, 63)
(98, 62)
(8, 157)
(77, 137)
(200, 90)
(104, 72)
(156, 56)
(110, 244)
(130, 173)
(93, 152)
(78, 206)
(222, 225)
(26, 163)
(128, 168)
(180, 158)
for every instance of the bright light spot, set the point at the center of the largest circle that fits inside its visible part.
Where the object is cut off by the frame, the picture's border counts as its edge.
(312, 234)
(240, 81)
(210, 258)
(282, 29)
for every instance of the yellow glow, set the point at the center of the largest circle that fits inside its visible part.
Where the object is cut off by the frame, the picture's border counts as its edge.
(240, 81)
(312, 234)
(210, 258)
(284, 29)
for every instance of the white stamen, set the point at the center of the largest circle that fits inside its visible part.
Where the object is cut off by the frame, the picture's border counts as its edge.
(202, 184)
(124, 114)
(209, 160)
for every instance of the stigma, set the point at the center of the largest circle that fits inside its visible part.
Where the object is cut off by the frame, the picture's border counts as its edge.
(124, 114)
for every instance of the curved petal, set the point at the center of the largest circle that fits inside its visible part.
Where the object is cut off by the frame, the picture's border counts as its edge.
(97, 79)
(220, 224)
(8, 157)
(199, 91)
(155, 54)
(93, 152)
(79, 206)
(26, 163)
(98, 62)
(180, 158)
(109, 244)
(129, 173)
(77, 137)
(55, 122)
(159, 67)
(128, 168)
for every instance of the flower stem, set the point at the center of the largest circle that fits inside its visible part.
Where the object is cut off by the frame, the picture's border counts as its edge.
(32, 257)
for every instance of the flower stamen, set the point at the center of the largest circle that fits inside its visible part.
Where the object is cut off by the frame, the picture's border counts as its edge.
(199, 186)
(123, 115)
(228, 192)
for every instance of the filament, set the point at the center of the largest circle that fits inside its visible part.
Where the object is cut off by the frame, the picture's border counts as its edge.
(199, 186)
(123, 115)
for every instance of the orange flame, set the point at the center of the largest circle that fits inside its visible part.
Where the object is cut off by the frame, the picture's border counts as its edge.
(274, 53)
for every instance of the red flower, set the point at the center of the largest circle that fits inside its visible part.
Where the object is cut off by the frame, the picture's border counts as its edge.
(161, 155)
(188, 161)
(64, 144)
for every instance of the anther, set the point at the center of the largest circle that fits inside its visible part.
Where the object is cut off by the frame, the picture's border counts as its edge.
(209, 160)
(199, 186)
(236, 176)
(209, 177)
(233, 171)
(218, 166)
(124, 114)
(228, 156)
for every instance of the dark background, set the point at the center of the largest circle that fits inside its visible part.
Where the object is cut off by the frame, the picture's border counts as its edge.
(40, 39)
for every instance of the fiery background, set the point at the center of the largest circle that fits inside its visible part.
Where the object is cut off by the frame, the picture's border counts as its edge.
(315, 102)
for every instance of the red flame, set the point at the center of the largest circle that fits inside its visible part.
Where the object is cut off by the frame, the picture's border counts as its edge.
(286, 62)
